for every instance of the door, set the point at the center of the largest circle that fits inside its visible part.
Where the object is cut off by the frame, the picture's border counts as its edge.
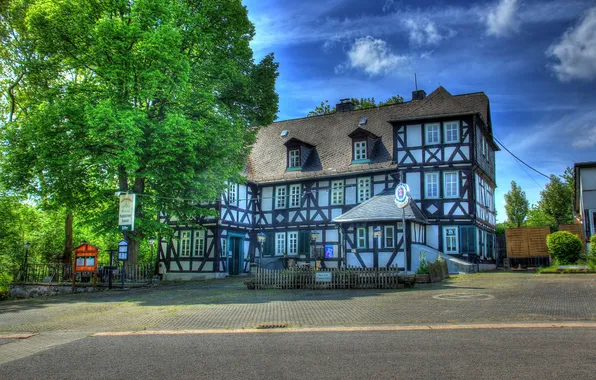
(235, 257)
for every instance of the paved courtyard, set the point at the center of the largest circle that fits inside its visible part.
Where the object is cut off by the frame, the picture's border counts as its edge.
(227, 304)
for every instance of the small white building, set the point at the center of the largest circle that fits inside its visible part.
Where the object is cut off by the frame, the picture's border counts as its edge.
(585, 195)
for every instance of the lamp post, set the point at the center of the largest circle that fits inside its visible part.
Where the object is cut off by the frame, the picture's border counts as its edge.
(261, 237)
(152, 269)
(27, 245)
(376, 235)
(314, 235)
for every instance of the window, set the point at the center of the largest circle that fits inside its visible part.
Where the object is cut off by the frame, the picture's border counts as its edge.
(280, 197)
(452, 132)
(432, 134)
(363, 189)
(232, 193)
(337, 192)
(292, 243)
(280, 243)
(185, 244)
(483, 146)
(450, 234)
(361, 237)
(199, 249)
(451, 188)
(388, 236)
(295, 195)
(432, 185)
(224, 247)
(294, 160)
(360, 150)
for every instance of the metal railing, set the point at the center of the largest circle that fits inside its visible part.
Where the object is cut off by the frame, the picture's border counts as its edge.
(62, 273)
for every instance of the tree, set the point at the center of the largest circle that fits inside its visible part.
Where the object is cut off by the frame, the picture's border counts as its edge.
(155, 97)
(538, 218)
(556, 200)
(359, 104)
(516, 204)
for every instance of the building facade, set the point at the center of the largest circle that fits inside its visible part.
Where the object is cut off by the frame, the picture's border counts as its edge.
(319, 187)
(585, 196)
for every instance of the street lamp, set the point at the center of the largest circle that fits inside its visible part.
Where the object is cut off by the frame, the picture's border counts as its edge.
(261, 237)
(314, 235)
(376, 234)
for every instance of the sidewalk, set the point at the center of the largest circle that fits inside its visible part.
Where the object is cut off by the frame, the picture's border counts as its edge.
(227, 304)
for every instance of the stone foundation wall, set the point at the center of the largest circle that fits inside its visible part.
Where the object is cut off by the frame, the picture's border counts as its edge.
(29, 290)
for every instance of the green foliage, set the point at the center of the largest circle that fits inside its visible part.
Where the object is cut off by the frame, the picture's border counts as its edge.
(359, 104)
(556, 200)
(564, 247)
(423, 268)
(593, 245)
(538, 218)
(516, 205)
(155, 97)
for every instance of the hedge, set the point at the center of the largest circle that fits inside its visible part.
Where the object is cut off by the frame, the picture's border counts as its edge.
(564, 246)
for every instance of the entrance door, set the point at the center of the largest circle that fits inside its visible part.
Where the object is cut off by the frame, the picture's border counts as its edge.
(234, 267)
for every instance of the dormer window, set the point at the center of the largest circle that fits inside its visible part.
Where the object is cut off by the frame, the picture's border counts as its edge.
(294, 159)
(360, 150)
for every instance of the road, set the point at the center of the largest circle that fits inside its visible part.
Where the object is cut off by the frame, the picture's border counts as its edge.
(516, 353)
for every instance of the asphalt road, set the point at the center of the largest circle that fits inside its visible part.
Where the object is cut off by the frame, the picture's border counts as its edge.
(564, 353)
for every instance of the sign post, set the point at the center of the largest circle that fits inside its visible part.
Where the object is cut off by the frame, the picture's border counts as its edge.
(85, 260)
(123, 256)
(402, 199)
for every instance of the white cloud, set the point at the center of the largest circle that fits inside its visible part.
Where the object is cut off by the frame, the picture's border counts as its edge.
(388, 5)
(587, 140)
(422, 32)
(502, 19)
(576, 50)
(373, 56)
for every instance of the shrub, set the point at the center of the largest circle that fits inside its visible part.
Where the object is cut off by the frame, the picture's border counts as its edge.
(423, 268)
(564, 246)
(593, 245)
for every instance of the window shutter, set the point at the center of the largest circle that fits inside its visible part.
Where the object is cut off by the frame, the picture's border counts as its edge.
(304, 242)
(269, 245)
(467, 239)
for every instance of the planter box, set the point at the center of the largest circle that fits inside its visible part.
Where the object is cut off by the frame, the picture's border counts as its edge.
(423, 278)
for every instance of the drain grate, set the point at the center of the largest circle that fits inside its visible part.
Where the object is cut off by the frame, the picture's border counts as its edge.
(273, 326)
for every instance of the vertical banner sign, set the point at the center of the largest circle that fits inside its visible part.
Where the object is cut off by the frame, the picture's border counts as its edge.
(126, 216)
(328, 251)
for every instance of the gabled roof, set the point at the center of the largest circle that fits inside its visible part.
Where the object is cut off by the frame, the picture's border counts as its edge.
(295, 141)
(330, 134)
(381, 207)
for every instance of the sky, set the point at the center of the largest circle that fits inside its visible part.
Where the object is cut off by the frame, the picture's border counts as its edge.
(536, 61)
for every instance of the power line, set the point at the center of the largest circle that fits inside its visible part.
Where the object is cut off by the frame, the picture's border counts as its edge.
(517, 158)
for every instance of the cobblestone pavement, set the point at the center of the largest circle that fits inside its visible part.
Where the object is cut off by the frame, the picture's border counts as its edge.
(227, 304)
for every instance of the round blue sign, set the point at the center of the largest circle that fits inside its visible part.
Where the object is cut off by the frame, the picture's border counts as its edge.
(402, 192)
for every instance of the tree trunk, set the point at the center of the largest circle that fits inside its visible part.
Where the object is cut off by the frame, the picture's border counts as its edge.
(67, 255)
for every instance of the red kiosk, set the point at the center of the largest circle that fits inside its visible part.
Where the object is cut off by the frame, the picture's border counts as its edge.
(85, 260)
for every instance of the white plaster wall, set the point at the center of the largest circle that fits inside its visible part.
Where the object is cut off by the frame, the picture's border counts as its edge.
(242, 195)
(413, 180)
(414, 133)
(267, 201)
(332, 235)
(350, 195)
(323, 198)
(378, 188)
(432, 236)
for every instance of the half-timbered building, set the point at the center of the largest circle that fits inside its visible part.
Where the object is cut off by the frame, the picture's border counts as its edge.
(331, 179)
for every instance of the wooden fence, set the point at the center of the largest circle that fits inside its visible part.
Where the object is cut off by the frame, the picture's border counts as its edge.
(525, 242)
(576, 229)
(331, 278)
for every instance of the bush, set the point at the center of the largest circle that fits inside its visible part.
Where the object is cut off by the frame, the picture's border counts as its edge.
(564, 246)
(593, 245)
(423, 268)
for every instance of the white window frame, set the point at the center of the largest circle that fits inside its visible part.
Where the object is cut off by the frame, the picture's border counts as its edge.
(361, 238)
(435, 132)
(292, 243)
(337, 193)
(295, 195)
(389, 231)
(280, 199)
(455, 237)
(446, 193)
(294, 158)
(185, 243)
(199, 247)
(360, 150)
(232, 193)
(280, 243)
(427, 194)
(363, 191)
(224, 247)
(447, 127)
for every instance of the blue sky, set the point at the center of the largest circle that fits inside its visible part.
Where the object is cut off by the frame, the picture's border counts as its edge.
(536, 61)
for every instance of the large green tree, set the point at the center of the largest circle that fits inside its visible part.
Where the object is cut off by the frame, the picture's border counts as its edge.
(556, 200)
(155, 97)
(516, 204)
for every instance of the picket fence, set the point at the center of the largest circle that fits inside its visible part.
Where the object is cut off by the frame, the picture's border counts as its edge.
(350, 278)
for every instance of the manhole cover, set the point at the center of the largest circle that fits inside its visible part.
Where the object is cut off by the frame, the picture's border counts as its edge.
(464, 297)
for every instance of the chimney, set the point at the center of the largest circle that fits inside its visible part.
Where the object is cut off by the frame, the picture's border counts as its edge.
(418, 95)
(344, 105)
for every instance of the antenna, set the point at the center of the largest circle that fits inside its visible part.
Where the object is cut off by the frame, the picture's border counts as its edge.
(415, 81)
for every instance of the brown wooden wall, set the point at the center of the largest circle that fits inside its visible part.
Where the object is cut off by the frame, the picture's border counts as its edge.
(576, 229)
(527, 241)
